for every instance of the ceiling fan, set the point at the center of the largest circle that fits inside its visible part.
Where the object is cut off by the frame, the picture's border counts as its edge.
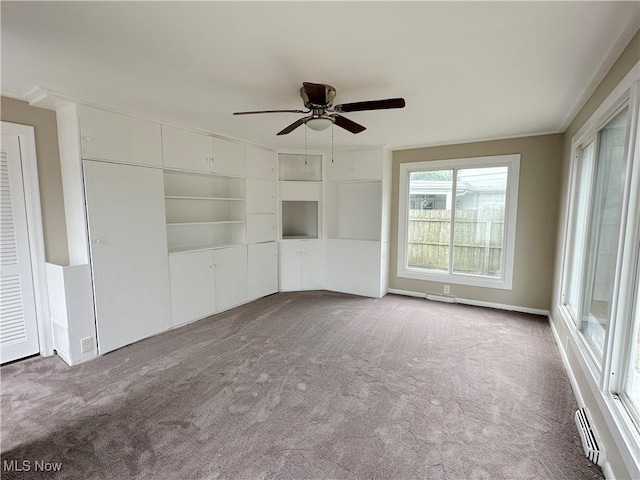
(318, 98)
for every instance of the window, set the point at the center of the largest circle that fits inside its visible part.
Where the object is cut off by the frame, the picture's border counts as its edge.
(457, 220)
(601, 271)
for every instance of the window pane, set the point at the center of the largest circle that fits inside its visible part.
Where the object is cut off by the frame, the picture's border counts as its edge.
(604, 231)
(632, 386)
(430, 196)
(479, 221)
(579, 227)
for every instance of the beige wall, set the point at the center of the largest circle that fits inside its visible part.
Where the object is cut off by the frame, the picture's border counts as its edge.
(49, 177)
(629, 57)
(538, 199)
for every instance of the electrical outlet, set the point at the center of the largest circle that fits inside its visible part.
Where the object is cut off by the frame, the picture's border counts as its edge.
(446, 290)
(86, 345)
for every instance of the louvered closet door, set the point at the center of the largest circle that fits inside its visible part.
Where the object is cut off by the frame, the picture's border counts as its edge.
(18, 328)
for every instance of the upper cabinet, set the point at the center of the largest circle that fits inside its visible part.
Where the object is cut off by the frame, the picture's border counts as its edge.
(300, 167)
(119, 138)
(261, 163)
(227, 157)
(355, 165)
(186, 150)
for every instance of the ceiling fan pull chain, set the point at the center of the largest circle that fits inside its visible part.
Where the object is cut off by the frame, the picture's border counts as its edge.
(305, 146)
(332, 143)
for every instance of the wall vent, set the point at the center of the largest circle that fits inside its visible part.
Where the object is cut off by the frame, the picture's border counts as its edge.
(441, 298)
(590, 442)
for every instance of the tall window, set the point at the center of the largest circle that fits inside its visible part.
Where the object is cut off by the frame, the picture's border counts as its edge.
(459, 220)
(601, 270)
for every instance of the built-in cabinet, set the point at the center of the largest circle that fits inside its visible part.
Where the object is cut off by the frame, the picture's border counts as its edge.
(119, 138)
(176, 225)
(128, 245)
(357, 217)
(193, 151)
(207, 282)
(301, 265)
(262, 207)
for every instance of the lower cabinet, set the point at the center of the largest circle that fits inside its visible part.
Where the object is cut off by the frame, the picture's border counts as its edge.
(206, 282)
(263, 269)
(357, 267)
(301, 265)
(128, 245)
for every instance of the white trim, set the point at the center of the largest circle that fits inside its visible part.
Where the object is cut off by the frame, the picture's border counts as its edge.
(567, 366)
(50, 100)
(27, 138)
(475, 303)
(512, 161)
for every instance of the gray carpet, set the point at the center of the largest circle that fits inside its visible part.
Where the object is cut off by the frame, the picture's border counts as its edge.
(305, 386)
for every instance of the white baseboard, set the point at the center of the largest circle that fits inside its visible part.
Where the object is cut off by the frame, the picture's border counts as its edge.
(476, 303)
(567, 366)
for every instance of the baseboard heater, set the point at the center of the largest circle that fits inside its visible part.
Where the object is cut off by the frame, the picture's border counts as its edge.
(590, 442)
(436, 297)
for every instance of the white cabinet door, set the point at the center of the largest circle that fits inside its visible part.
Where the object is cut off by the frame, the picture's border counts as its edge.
(290, 265)
(301, 265)
(261, 163)
(263, 269)
(192, 286)
(261, 196)
(354, 266)
(261, 228)
(356, 165)
(120, 138)
(341, 168)
(367, 165)
(227, 157)
(230, 266)
(186, 150)
(311, 265)
(126, 217)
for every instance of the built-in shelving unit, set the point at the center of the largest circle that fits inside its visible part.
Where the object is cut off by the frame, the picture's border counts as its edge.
(203, 211)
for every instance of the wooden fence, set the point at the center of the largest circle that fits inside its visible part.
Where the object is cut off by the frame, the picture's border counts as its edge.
(477, 241)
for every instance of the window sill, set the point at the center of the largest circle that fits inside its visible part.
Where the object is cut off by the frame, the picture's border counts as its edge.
(456, 279)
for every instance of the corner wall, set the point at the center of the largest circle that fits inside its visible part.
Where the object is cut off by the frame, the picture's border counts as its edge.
(49, 176)
(629, 57)
(536, 228)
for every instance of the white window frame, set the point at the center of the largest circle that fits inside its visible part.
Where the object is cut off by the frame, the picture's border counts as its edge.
(505, 282)
(606, 378)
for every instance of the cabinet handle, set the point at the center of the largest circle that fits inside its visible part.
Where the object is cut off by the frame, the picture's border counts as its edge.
(86, 139)
(97, 241)
(210, 266)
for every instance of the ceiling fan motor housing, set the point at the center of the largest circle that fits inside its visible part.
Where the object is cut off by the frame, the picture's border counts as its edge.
(322, 96)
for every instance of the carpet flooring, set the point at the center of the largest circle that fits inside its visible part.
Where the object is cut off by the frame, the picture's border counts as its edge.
(305, 385)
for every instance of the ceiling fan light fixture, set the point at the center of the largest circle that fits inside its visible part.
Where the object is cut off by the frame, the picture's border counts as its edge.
(319, 123)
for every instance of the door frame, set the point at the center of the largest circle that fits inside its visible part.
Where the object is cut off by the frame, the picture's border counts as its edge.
(27, 140)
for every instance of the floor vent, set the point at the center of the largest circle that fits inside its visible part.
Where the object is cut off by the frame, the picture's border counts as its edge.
(589, 441)
(441, 298)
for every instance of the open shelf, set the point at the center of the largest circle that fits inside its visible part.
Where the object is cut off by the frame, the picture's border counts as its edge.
(203, 211)
(299, 219)
(179, 197)
(219, 222)
(200, 247)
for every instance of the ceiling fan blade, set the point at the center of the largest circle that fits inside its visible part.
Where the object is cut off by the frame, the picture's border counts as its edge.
(316, 93)
(293, 126)
(370, 105)
(347, 124)
(271, 111)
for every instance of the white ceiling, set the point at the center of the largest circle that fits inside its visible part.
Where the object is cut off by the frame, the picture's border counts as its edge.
(468, 71)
